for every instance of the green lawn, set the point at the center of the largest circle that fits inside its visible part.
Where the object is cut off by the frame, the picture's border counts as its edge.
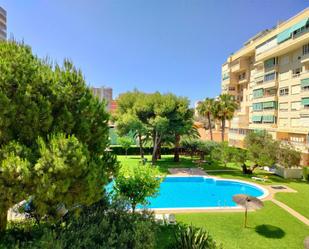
(271, 227)
(167, 162)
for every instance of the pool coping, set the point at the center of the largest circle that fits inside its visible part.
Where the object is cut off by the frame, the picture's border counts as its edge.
(266, 195)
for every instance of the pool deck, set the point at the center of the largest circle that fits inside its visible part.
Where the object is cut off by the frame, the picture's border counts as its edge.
(271, 189)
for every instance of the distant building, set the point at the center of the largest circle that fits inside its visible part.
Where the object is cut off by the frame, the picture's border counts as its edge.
(2, 24)
(104, 93)
(113, 106)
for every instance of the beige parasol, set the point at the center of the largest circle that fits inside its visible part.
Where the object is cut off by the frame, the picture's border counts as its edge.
(248, 202)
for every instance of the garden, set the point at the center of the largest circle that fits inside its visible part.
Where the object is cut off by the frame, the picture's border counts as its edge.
(57, 161)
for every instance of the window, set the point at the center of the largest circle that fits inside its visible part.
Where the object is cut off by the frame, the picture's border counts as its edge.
(296, 72)
(242, 76)
(306, 49)
(304, 121)
(232, 88)
(295, 122)
(284, 106)
(284, 60)
(295, 89)
(270, 105)
(269, 119)
(284, 91)
(270, 63)
(284, 75)
(305, 84)
(283, 122)
(257, 119)
(270, 92)
(300, 30)
(269, 77)
(305, 102)
(258, 93)
(225, 76)
(295, 106)
(257, 106)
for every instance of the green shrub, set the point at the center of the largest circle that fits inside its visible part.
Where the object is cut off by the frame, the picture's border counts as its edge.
(133, 150)
(96, 227)
(189, 237)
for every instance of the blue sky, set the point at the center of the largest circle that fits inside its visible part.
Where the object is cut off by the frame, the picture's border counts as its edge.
(153, 45)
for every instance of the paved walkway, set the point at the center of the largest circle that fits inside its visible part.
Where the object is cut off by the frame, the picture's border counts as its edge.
(291, 211)
(187, 171)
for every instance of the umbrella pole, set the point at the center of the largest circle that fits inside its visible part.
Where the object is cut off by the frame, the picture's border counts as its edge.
(246, 213)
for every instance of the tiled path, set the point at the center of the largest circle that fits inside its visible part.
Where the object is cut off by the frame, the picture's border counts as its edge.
(187, 171)
(291, 211)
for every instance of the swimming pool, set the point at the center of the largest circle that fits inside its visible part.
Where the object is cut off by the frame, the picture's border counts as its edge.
(201, 192)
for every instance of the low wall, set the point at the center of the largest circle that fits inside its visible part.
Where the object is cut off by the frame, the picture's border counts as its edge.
(289, 173)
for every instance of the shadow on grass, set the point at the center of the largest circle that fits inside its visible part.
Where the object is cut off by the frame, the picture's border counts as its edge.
(270, 231)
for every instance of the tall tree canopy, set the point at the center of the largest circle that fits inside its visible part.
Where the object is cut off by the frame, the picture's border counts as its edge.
(224, 109)
(162, 117)
(206, 109)
(51, 127)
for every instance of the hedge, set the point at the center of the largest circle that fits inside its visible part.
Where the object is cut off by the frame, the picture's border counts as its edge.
(134, 150)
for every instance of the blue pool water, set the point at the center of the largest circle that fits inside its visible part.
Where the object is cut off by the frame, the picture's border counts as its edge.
(200, 192)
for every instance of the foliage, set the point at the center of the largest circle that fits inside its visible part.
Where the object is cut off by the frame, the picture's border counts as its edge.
(262, 148)
(223, 153)
(99, 226)
(126, 143)
(135, 187)
(38, 99)
(206, 109)
(162, 117)
(131, 116)
(287, 156)
(239, 156)
(133, 150)
(196, 146)
(224, 109)
(190, 237)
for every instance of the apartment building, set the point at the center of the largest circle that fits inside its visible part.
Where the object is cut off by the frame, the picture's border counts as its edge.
(104, 93)
(2, 24)
(269, 76)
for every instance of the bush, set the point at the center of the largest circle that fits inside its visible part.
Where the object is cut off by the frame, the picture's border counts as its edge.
(189, 237)
(133, 150)
(95, 227)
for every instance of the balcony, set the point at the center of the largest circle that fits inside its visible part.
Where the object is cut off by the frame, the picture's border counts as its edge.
(304, 59)
(289, 45)
(239, 65)
(304, 112)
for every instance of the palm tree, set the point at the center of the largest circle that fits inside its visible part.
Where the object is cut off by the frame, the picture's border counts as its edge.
(225, 106)
(206, 109)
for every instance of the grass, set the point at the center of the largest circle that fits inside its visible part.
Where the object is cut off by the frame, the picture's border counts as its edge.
(270, 227)
(166, 162)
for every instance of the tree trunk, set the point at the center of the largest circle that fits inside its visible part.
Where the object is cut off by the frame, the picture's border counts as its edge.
(133, 207)
(159, 151)
(141, 150)
(176, 151)
(210, 128)
(223, 129)
(156, 141)
(3, 220)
